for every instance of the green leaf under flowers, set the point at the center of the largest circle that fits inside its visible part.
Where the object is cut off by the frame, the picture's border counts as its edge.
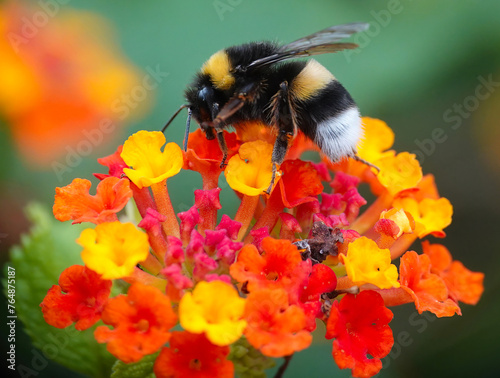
(248, 361)
(44, 253)
(141, 369)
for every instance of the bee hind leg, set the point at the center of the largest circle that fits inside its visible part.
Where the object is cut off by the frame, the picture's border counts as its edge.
(284, 119)
(273, 178)
(357, 158)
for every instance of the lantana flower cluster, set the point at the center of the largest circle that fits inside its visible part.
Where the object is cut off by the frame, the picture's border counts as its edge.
(203, 283)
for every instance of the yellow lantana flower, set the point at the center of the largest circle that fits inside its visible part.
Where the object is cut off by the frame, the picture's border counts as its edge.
(150, 165)
(376, 140)
(367, 263)
(250, 171)
(431, 215)
(400, 172)
(216, 309)
(113, 249)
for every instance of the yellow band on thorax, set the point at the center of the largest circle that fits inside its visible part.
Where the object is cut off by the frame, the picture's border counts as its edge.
(218, 68)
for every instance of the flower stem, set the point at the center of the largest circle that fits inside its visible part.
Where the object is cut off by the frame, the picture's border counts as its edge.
(147, 279)
(142, 198)
(283, 367)
(344, 283)
(402, 244)
(152, 264)
(395, 297)
(269, 216)
(207, 203)
(245, 213)
(164, 206)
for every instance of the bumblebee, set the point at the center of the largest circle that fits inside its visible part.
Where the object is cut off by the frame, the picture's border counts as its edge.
(258, 82)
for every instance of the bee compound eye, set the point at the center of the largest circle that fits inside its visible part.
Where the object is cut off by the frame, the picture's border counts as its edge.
(202, 93)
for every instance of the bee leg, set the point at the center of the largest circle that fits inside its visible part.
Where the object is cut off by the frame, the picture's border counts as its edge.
(357, 158)
(284, 120)
(220, 136)
(273, 178)
(223, 147)
(234, 104)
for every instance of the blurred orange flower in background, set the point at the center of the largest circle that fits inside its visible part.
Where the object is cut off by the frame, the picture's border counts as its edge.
(65, 85)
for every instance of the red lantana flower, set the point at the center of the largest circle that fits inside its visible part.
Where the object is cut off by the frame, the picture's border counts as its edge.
(359, 324)
(300, 183)
(115, 164)
(141, 320)
(322, 280)
(79, 297)
(193, 356)
(205, 156)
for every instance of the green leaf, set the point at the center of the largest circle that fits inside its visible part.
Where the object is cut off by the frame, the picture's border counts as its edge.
(141, 369)
(44, 253)
(248, 361)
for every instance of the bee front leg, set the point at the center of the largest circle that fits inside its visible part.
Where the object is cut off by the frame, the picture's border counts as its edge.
(220, 135)
(223, 147)
(284, 119)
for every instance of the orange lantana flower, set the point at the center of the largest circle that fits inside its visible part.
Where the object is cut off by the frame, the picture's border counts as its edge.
(463, 285)
(63, 82)
(275, 327)
(280, 266)
(142, 320)
(74, 201)
(428, 290)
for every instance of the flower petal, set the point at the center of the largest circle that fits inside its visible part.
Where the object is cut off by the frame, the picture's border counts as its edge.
(113, 249)
(365, 262)
(214, 308)
(74, 201)
(250, 171)
(360, 325)
(142, 151)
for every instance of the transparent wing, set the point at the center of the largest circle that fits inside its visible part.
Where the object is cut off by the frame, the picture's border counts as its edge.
(325, 37)
(323, 42)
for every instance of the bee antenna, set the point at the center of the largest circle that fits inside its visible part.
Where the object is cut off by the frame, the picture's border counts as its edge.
(173, 117)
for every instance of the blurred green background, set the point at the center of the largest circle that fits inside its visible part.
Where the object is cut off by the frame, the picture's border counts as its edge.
(430, 69)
